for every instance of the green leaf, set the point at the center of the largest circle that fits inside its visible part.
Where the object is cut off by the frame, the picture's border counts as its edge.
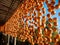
(51, 43)
(54, 34)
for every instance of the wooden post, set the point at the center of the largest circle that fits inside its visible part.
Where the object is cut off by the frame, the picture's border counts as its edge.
(8, 39)
(15, 41)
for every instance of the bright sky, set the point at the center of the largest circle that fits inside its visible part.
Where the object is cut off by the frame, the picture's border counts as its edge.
(56, 15)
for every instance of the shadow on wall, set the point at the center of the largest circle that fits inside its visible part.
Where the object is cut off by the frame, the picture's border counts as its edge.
(7, 8)
(3, 39)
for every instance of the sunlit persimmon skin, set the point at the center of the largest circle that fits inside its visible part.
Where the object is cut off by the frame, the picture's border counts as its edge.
(56, 43)
(36, 21)
(57, 37)
(43, 10)
(45, 32)
(59, 13)
(43, 21)
(2, 29)
(43, 17)
(38, 8)
(48, 35)
(49, 25)
(46, 43)
(54, 29)
(55, 24)
(55, 19)
(47, 2)
(48, 15)
(44, 39)
(49, 39)
(29, 22)
(34, 13)
(50, 20)
(41, 43)
(53, 2)
(53, 13)
(40, 14)
(55, 40)
(49, 5)
(57, 7)
(50, 10)
(59, 4)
